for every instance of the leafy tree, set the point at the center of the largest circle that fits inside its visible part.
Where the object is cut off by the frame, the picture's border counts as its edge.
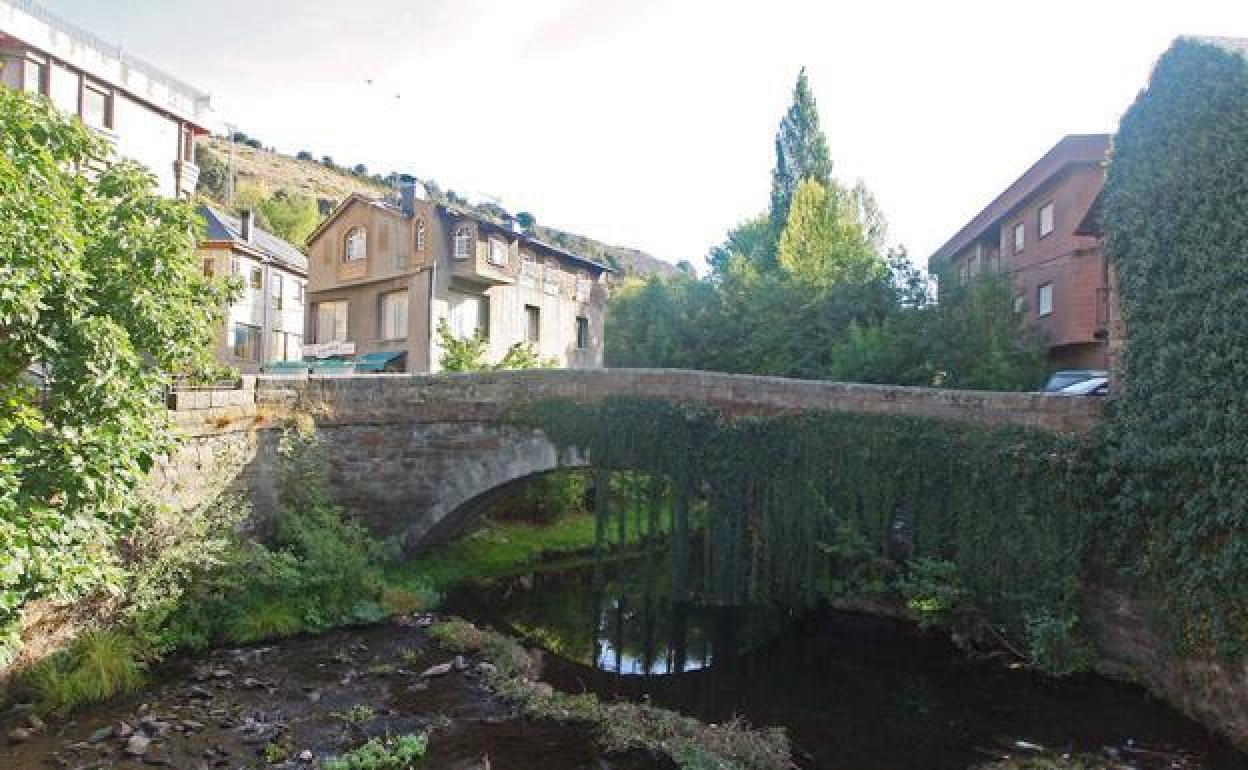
(468, 354)
(285, 214)
(305, 155)
(823, 242)
(527, 221)
(102, 290)
(359, 169)
(213, 174)
(750, 240)
(801, 153)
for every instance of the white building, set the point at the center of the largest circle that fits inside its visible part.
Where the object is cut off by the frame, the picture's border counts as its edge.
(148, 115)
(265, 324)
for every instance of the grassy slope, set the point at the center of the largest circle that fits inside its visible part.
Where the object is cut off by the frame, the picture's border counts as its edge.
(283, 172)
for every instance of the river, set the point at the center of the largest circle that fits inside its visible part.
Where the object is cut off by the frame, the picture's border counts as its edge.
(854, 691)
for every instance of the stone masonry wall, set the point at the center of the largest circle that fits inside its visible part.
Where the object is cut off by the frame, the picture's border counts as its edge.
(491, 397)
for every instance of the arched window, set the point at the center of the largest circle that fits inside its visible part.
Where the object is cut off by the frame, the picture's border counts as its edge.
(463, 242)
(356, 245)
(420, 235)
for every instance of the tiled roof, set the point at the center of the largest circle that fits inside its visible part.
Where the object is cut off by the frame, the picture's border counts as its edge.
(223, 227)
(1072, 149)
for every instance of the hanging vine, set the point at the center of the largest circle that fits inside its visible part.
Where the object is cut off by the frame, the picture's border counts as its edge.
(791, 509)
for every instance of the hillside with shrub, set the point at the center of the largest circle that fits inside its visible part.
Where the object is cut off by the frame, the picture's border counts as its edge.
(285, 189)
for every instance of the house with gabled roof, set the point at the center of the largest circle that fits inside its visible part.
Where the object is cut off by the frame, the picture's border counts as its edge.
(384, 275)
(265, 324)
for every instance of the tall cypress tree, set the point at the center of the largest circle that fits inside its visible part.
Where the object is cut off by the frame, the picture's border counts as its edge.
(801, 153)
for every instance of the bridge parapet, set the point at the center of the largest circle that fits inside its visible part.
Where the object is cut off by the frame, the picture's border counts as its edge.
(494, 396)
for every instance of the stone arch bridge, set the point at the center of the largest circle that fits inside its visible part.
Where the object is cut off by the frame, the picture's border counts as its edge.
(410, 455)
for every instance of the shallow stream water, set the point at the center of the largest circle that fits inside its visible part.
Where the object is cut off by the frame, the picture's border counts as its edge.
(854, 691)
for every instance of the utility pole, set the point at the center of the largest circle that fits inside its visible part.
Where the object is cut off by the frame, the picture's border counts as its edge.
(229, 174)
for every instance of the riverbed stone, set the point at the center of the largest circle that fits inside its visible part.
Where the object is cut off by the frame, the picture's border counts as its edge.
(138, 744)
(442, 669)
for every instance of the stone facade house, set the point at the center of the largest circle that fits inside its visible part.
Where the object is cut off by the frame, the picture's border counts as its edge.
(382, 276)
(265, 324)
(147, 114)
(1033, 231)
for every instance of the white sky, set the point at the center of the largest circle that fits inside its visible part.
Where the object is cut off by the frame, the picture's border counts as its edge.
(650, 123)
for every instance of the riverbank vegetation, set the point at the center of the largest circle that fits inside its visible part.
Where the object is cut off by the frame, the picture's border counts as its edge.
(1176, 223)
(103, 298)
(622, 726)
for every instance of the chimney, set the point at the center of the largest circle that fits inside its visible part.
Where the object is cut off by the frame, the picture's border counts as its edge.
(409, 193)
(247, 224)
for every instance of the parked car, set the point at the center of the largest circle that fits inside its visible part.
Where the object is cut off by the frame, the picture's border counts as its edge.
(1097, 386)
(1064, 378)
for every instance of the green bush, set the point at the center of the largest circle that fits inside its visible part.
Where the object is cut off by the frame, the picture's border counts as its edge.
(1176, 226)
(399, 753)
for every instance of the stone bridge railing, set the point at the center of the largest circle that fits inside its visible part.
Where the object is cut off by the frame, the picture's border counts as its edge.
(490, 397)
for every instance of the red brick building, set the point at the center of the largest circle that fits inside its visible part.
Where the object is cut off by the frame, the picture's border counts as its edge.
(1032, 231)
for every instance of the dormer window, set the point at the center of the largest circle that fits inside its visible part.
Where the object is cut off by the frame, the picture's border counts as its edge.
(498, 253)
(463, 242)
(420, 235)
(356, 245)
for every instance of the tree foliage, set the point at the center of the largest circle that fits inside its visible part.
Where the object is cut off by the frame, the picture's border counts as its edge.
(816, 295)
(101, 290)
(801, 153)
(824, 241)
(288, 215)
(1176, 225)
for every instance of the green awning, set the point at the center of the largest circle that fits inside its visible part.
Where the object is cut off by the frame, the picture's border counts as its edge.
(376, 362)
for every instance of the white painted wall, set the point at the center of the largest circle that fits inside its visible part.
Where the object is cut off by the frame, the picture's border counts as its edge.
(148, 137)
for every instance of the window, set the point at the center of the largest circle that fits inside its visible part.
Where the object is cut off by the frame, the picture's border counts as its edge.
(35, 76)
(394, 315)
(97, 106)
(420, 235)
(582, 332)
(463, 242)
(1046, 219)
(235, 266)
(64, 88)
(1019, 304)
(277, 347)
(299, 292)
(188, 144)
(256, 281)
(294, 347)
(210, 267)
(356, 245)
(245, 342)
(498, 253)
(331, 321)
(275, 290)
(1019, 238)
(469, 315)
(1044, 299)
(532, 324)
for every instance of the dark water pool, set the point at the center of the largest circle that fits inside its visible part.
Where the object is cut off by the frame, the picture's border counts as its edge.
(855, 692)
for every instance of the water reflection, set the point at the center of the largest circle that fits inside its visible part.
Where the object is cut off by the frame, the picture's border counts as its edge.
(853, 691)
(631, 626)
